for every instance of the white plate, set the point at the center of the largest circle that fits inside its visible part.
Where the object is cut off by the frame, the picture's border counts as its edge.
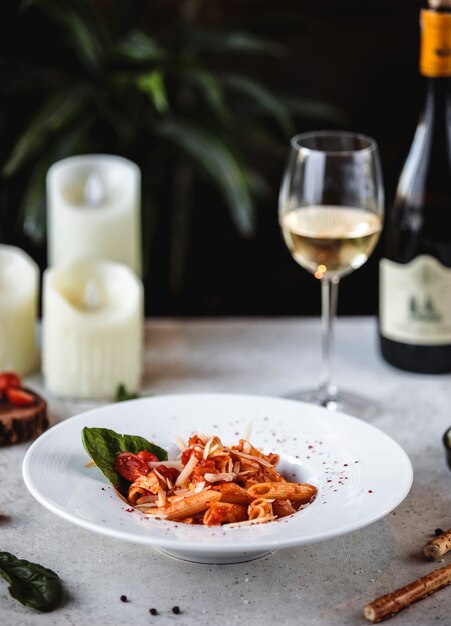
(361, 473)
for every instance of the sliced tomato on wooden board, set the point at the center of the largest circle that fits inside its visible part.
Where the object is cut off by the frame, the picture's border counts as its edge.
(19, 397)
(9, 380)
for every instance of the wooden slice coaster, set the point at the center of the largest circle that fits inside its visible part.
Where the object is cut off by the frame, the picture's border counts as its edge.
(22, 423)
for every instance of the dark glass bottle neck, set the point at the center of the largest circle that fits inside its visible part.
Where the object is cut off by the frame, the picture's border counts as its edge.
(438, 89)
(437, 108)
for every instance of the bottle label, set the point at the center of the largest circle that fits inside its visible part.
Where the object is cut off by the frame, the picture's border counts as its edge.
(415, 301)
(435, 54)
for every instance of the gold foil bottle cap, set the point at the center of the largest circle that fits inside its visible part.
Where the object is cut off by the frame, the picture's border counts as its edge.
(435, 51)
(439, 4)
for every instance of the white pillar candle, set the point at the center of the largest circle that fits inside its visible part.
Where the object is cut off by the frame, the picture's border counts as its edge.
(19, 284)
(93, 324)
(93, 210)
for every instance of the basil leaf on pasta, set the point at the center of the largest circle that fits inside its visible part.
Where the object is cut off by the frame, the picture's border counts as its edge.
(103, 445)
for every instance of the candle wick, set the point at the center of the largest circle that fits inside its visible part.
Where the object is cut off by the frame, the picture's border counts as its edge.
(94, 191)
(91, 295)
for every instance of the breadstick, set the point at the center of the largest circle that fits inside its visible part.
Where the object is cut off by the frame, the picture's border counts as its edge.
(439, 546)
(392, 603)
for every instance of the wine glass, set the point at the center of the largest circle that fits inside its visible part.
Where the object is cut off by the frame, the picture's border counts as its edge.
(331, 207)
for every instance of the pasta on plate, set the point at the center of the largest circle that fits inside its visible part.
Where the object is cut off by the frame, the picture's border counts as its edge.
(212, 484)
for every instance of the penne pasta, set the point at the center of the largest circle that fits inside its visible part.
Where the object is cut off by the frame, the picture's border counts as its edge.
(144, 485)
(224, 513)
(188, 506)
(296, 492)
(213, 484)
(259, 509)
(233, 494)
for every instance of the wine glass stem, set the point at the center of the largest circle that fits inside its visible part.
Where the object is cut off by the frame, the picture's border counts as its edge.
(329, 297)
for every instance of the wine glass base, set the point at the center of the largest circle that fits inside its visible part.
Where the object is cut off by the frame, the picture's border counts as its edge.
(343, 401)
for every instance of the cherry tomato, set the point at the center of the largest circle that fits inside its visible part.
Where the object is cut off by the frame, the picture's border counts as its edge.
(130, 466)
(205, 466)
(148, 457)
(168, 472)
(19, 397)
(186, 455)
(9, 379)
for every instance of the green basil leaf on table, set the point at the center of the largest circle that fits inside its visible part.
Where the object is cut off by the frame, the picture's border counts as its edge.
(122, 394)
(31, 584)
(103, 445)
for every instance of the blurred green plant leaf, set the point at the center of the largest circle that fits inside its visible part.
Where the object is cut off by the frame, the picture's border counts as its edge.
(314, 109)
(223, 41)
(261, 140)
(257, 183)
(60, 110)
(139, 47)
(215, 158)
(81, 27)
(263, 97)
(211, 90)
(152, 84)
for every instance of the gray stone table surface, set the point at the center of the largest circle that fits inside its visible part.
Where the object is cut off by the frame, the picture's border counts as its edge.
(322, 584)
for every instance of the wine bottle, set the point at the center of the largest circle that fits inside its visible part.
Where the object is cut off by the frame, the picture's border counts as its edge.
(415, 276)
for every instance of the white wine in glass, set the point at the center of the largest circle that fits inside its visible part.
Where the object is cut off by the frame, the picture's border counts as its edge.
(331, 214)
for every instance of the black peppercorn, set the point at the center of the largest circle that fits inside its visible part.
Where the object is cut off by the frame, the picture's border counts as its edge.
(153, 611)
(438, 531)
(176, 610)
(124, 599)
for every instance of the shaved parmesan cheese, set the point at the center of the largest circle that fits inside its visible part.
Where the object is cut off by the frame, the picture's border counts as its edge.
(199, 487)
(180, 443)
(246, 447)
(186, 471)
(161, 497)
(175, 498)
(207, 448)
(213, 478)
(176, 464)
(162, 478)
(144, 507)
(146, 499)
(248, 431)
(251, 457)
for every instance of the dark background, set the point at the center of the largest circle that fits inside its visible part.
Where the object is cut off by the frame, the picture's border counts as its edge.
(359, 56)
